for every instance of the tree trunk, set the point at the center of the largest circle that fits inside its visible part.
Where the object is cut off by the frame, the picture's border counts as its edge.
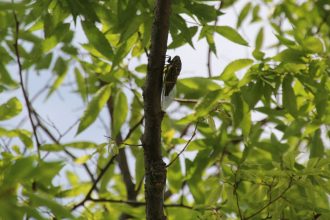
(155, 170)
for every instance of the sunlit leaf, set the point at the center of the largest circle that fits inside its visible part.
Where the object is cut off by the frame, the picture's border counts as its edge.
(97, 39)
(5, 78)
(289, 97)
(120, 112)
(259, 39)
(94, 107)
(290, 56)
(228, 74)
(83, 159)
(231, 34)
(317, 146)
(10, 109)
(61, 69)
(313, 44)
(45, 201)
(243, 14)
(81, 84)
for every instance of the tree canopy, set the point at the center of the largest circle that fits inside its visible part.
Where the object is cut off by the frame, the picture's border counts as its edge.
(250, 142)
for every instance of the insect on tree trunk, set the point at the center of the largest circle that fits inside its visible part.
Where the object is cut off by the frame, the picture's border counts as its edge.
(155, 170)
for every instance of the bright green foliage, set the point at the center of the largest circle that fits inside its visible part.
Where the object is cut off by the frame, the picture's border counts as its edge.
(94, 107)
(256, 136)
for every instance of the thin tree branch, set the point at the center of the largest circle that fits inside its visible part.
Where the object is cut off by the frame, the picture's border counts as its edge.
(132, 129)
(137, 204)
(121, 157)
(236, 195)
(194, 101)
(272, 201)
(184, 148)
(209, 70)
(56, 141)
(88, 195)
(26, 98)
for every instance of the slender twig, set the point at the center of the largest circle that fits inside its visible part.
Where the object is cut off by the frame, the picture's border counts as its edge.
(132, 129)
(136, 204)
(56, 141)
(209, 49)
(123, 143)
(102, 172)
(183, 149)
(272, 201)
(141, 41)
(236, 195)
(26, 98)
(37, 94)
(193, 101)
(69, 129)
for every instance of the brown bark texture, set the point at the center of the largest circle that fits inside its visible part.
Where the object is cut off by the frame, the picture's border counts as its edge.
(155, 170)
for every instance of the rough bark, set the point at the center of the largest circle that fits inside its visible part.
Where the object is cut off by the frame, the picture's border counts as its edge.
(155, 170)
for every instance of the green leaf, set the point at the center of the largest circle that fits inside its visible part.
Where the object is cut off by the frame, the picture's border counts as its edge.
(207, 103)
(177, 22)
(255, 14)
(23, 135)
(174, 175)
(195, 87)
(120, 112)
(81, 84)
(228, 75)
(285, 41)
(317, 147)
(211, 123)
(131, 28)
(252, 93)
(60, 33)
(81, 145)
(61, 69)
(52, 147)
(94, 107)
(5, 78)
(289, 97)
(10, 109)
(13, 6)
(241, 114)
(45, 201)
(290, 56)
(83, 159)
(45, 172)
(313, 45)
(139, 168)
(258, 55)
(231, 34)
(259, 39)
(20, 169)
(243, 14)
(204, 12)
(97, 39)
(141, 68)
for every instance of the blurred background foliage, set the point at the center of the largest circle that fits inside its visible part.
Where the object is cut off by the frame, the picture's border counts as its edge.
(255, 137)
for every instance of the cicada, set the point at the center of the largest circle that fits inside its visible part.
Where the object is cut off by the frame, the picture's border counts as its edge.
(171, 73)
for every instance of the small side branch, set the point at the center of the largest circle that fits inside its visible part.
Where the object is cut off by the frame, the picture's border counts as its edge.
(88, 195)
(185, 147)
(25, 95)
(272, 201)
(209, 70)
(138, 204)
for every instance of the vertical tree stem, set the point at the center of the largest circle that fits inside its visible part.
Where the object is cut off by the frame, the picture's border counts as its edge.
(155, 169)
